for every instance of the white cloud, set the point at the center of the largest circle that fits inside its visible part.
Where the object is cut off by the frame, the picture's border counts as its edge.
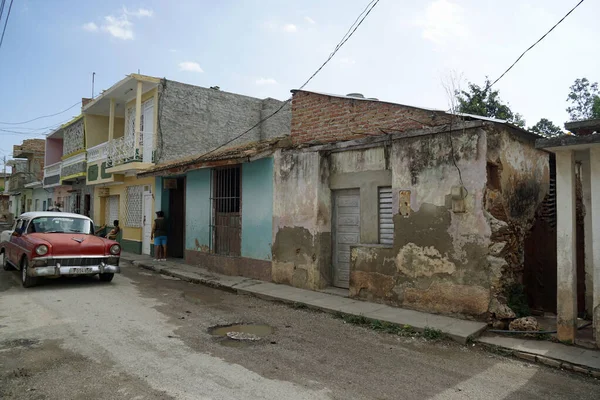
(139, 13)
(119, 27)
(90, 27)
(290, 28)
(310, 20)
(190, 66)
(443, 21)
(173, 50)
(266, 81)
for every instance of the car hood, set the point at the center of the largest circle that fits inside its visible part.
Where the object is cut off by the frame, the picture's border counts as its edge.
(73, 244)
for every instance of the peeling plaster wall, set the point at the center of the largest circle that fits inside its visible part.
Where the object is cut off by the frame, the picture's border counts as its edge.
(454, 262)
(438, 261)
(511, 200)
(301, 220)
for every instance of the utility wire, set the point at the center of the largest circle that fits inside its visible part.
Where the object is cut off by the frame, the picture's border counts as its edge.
(2, 9)
(533, 45)
(43, 116)
(6, 23)
(365, 13)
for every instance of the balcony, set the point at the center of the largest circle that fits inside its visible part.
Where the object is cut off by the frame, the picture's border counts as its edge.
(18, 181)
(52, 175)
(124, 156)
(97, 153)
(73, 167)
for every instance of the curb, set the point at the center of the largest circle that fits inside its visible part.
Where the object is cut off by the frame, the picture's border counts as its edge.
(548, 361)
(242, 290)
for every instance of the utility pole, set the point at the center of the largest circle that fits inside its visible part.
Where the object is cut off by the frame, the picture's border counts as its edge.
(93, 79)
(4, 163)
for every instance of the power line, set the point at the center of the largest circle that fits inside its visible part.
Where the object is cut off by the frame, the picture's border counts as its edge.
(365, 13)
(6, 23)
(533, 45)
(43, 116)
(2, 9)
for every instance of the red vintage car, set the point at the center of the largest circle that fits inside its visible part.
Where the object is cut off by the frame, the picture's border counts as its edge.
(53, 244)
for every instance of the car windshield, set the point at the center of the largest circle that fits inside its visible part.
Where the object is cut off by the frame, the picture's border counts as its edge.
(60, 225)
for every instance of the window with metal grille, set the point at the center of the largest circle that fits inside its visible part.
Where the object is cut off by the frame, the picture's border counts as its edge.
(111, 210)
(133, 211)
(386, 222)
(226, 211)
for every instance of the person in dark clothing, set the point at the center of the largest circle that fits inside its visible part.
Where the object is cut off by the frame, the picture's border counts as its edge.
(159, 234)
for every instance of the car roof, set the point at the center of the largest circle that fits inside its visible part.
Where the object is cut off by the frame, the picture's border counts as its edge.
(30, 215)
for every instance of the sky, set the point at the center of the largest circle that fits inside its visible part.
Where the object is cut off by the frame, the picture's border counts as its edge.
(405, 51)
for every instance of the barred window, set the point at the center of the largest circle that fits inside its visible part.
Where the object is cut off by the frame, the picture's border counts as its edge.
(133, 216)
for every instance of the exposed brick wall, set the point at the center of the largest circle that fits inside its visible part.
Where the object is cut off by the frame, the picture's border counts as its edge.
(321, 118)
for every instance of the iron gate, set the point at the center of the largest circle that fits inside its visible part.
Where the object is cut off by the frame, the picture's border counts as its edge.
(226, 220)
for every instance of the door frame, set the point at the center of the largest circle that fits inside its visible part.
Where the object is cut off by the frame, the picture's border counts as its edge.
(334, 214)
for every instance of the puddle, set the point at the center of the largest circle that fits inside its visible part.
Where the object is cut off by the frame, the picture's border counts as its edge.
(240, 335)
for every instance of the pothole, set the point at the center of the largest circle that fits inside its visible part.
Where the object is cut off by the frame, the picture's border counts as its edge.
(239, 335)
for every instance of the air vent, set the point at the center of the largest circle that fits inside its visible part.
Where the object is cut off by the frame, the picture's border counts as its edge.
(356, 95)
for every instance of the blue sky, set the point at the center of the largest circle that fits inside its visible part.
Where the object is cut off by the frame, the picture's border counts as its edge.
(403, 51)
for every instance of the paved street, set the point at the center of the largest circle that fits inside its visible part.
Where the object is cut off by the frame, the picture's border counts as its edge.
(146, 336)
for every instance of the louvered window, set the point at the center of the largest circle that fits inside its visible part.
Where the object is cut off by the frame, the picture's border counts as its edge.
(386, 223)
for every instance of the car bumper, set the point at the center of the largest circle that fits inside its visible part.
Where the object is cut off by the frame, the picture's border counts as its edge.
(57, 270)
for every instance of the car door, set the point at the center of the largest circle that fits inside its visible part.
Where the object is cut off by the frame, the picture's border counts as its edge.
(10, 248)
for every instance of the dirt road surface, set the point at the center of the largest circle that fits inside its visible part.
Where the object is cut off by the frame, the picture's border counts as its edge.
(146, 336)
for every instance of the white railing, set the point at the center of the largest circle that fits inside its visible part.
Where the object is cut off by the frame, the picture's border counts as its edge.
(53, 169)
(77, 158)
(97, 153)
(123, 150)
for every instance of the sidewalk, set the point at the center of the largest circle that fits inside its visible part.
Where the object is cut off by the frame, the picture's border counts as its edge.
(457, 329)
(552, 354)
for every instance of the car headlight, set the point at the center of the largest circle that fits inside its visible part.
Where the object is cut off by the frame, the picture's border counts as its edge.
(115, 249)
(41, 250)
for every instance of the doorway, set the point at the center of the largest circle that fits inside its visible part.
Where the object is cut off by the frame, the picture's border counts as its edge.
(346, 232)
(147, 233)
(176, 220)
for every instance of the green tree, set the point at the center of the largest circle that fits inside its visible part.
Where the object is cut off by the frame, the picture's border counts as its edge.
(545, 127)
(486, 102)
(584, 99)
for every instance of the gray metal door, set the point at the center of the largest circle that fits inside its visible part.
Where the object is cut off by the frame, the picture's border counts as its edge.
(346, 232)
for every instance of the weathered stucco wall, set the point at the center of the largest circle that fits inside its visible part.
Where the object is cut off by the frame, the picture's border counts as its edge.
(301, 220)
(194, 120)
(517, 182)
(455, 262)
(437, 263)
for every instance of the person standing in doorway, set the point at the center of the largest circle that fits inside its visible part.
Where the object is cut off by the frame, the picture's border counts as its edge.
(159, 234)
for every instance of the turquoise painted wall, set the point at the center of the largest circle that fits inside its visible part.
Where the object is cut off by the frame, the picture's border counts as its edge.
(257, 209)
(197, 209)
(161, 197)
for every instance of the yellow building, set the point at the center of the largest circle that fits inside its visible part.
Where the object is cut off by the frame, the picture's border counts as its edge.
(121, 141)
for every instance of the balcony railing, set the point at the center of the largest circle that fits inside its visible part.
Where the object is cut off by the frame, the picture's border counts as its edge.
(97, 153)
(73, 165)
(53, 169)
(122, 151)
(52, 174)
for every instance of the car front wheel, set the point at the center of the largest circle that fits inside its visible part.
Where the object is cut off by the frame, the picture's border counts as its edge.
(28, 281)
(106, 277)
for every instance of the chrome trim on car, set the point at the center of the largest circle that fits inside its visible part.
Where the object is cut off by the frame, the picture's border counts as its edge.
(55, 257)
(57, 270)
